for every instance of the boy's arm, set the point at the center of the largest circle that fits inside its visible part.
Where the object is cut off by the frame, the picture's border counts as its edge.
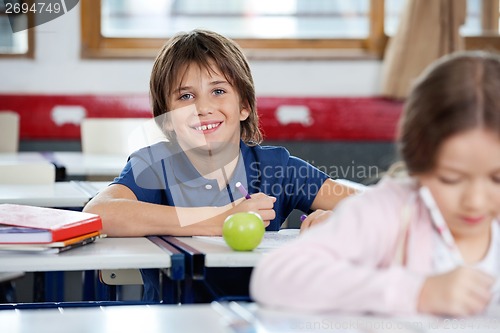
(331, 193)
(123, 215)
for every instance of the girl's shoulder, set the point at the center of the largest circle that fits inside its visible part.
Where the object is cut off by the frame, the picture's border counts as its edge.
(389, 194)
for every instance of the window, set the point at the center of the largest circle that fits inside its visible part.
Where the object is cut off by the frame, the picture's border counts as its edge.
(15, 39)
(296, 27)
(264, 28)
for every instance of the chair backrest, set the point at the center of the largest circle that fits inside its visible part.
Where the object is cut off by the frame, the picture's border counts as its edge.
(31, 173)
(118, 135)
(9, 132)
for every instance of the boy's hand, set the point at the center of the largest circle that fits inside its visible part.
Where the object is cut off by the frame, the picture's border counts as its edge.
(259, 203)
(316, 217)
(463, 291)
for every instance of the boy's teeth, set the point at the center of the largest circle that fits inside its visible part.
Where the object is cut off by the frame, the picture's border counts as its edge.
(205, 127)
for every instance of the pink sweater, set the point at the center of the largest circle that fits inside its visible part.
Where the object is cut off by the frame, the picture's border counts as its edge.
(350, 263)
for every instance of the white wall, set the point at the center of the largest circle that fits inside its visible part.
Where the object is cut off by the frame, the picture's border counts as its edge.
(58, 69)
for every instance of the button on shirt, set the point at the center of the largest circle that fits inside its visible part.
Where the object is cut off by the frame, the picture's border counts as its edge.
(163, 174)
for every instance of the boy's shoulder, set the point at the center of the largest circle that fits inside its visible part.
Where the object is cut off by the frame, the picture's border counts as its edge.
(265, 150)
(268, 155)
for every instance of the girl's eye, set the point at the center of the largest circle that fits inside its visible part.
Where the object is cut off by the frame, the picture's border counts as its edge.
(219, 92)
(496, 179)
(449, 180)
(186, 97)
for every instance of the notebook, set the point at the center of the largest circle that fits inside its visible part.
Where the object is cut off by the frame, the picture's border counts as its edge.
(31, 224)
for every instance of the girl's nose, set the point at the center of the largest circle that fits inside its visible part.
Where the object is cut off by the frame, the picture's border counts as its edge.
(475, 196)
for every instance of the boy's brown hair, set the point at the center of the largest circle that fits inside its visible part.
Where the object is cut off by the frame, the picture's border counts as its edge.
(457, 93)
(202, 47)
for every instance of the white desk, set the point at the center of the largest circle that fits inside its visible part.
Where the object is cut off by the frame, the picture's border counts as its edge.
(106, 253)
(22, 157)
(57, 195)
(208, 318)
(114, 319)
(211, 253)
(218, 254)
(79, 164)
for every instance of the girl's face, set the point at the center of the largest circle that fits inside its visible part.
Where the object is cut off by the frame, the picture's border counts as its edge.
(466, 182)
(206, 110)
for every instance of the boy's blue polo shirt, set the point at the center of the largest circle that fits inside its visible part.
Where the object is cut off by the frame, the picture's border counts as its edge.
(162, 174)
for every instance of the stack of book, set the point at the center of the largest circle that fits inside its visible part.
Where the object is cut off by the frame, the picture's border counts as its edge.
(46, 230)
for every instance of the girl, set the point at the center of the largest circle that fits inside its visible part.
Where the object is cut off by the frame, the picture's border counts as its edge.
(203, 98)
(384, 251)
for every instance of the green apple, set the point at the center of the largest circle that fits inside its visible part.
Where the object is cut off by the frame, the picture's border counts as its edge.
(243, 231)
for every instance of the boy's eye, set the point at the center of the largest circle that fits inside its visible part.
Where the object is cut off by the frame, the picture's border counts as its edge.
(219, 92)
(185, 97)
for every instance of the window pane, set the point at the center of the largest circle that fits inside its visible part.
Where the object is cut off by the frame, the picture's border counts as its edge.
(13, 43)
(472, 24)
(239, 19)
(392, 10)
(471, 27)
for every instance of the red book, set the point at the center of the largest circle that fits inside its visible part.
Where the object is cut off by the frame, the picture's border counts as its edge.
(30, 224)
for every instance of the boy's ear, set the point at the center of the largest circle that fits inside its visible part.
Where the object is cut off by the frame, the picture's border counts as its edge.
(244, 113)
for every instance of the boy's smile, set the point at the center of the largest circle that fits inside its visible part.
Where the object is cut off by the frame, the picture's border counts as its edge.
(206, 110)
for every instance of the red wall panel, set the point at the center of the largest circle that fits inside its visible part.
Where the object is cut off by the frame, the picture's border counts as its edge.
(56, 117)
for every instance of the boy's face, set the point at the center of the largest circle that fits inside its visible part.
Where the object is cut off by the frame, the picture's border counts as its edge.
(466, 182)
(206, 110)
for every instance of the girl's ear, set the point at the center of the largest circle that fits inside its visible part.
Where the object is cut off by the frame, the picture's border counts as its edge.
(244, 113)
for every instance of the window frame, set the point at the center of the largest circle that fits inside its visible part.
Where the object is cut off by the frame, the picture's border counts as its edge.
(94, 45)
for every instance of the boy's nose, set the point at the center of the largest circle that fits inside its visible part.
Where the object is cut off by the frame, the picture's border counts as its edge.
(203, 107)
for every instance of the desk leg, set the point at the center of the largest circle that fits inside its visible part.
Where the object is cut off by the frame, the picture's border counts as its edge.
(54, 287)
(39, 287)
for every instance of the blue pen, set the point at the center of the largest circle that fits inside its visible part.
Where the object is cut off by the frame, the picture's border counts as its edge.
(242, 190)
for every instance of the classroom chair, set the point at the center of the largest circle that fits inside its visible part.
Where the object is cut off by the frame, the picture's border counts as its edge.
(116, 279)
(120, 136)
(27, 173)
(9, 132)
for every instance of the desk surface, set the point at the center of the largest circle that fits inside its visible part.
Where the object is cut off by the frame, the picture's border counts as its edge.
(105, 253)
(209, 318)
(22, 157)
(218, 254)
(79, 164)
(57, 195)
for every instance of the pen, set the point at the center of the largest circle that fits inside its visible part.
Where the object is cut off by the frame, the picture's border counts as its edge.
(440, 223)
(303, 217)
(242, 190)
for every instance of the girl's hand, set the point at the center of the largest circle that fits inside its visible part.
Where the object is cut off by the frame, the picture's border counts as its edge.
(316, 217)
(463, 291)
(259, 203)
